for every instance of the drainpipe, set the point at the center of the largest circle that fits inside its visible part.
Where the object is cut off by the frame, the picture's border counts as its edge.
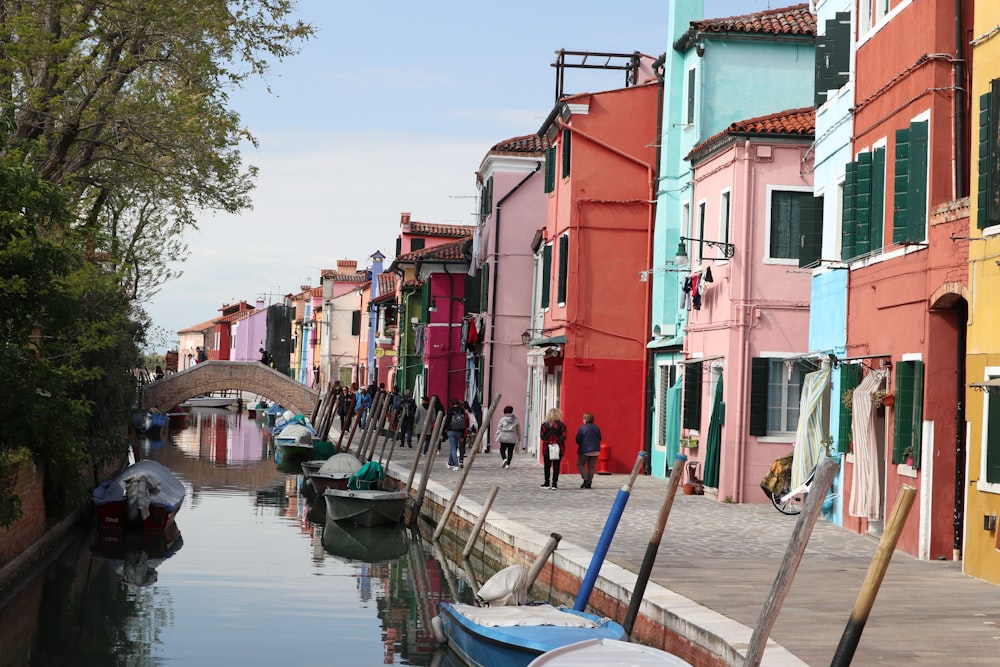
(744, 321)
(648, 296)
(959, 74)
(496, 274)
(647, 434)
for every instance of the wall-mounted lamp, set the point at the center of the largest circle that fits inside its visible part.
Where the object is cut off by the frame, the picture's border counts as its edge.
(529, 335)
(699, 48)
(727, 249)
(991, 387)
(432, 307)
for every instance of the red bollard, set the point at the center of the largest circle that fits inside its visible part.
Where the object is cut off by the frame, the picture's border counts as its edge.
(603, 459)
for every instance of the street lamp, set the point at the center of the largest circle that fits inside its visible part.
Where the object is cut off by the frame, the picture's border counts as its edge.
(727, 249)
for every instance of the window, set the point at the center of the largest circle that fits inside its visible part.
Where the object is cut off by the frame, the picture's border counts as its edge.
(356, 323)
(563, 268)
(416, 244)
(546, 274)
(988, 186)
(863, 213)
(787, 210)
(691, 413)
(833, 57)
(566, 135)
(990, 463)
(486, 199)
(550, 169)
(907, 426)
(701, 230)
(690, 98)
(850, 377)
(775, 389)
(724, 217)
(909, 221)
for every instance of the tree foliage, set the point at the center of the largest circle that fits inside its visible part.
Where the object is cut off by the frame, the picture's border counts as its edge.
(124, 102)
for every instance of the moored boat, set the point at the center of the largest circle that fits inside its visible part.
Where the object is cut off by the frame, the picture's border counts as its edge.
(514, 636)
(365, 507)
(210, 401)
(605, 652)
(332, 473)
(146, 493)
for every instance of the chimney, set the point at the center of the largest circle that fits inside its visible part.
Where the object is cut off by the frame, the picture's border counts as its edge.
(260, 304)
(346, 266)
(404, 218)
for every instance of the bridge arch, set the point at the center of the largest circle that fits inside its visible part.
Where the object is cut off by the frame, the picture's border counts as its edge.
(208, 376)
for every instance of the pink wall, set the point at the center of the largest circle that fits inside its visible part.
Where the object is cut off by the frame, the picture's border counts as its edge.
(776, 318)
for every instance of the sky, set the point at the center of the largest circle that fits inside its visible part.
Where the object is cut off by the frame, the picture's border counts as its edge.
(391, 107)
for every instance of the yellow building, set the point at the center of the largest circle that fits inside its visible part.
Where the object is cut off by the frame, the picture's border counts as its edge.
(982, 483)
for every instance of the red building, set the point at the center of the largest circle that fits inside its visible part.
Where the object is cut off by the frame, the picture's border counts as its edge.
(590, 321)
(905, 213)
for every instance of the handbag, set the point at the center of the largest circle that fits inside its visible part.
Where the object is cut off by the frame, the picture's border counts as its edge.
(553, 451)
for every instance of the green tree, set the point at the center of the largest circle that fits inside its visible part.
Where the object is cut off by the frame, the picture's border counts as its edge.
(119, 98)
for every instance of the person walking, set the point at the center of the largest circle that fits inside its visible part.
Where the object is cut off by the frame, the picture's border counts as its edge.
(158, 373)
(200, 355)
(456, 423)
(553, 432)
(588, 440)
(508, 435)
(407, 416)
(418, 421)
(345, 408)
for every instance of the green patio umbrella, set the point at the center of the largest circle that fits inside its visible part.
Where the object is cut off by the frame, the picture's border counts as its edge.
(713, 443)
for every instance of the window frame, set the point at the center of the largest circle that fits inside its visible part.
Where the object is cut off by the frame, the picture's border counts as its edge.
(771, 189)
(985, 484)
(725, 217)
(760, 383)
(562, 277)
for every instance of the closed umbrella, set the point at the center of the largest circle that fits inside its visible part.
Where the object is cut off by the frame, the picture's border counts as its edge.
(672, 421)
(713, 444)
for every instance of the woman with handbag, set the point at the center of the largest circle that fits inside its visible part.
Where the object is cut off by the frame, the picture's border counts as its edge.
(553, 435)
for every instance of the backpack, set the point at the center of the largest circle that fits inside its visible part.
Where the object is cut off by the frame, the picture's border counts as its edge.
(409, 407)
(456, 422)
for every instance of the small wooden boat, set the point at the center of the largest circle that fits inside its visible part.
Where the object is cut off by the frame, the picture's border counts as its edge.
(208, 401)
(365, 507)
(146, 493)
(369, 544)
(514, 636)
(607, 652)
(333, 473)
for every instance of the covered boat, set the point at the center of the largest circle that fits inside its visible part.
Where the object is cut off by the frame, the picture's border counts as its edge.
(333, 473)
(365, 507)
(146, 493)
(607, 653)
(514, 636)
(295, 439)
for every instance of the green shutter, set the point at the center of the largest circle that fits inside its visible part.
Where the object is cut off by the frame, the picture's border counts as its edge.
(840, 57)
(993, 184)
(863, 205)
(692, 395)
(986, 133)
(916, 205)
(992, 443)
(546, 274)
(908, 409)
(901, 184)
(821, 81)
(550, 169)
(811, 231)
(850, 377)
(690, 99)
(759, 377)
(563, 267)
(566, 134)
(847, 216)
(877, 198)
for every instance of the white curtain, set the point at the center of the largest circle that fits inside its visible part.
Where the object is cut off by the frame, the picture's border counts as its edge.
(866, 492)
(809, 432)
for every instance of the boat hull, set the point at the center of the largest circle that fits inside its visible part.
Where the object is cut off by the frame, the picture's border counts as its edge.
(365, 507)
(517, 645)
(369, 544)
(603, 652)
(209, 402)
(322, 481)
(111, 500)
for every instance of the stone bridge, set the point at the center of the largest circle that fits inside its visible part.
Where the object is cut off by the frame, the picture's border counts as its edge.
(208, 376)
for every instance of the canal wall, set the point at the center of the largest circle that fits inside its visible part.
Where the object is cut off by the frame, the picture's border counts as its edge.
(666, 620)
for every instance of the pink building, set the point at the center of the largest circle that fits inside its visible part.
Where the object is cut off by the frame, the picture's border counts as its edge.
(752, 206)
(511, 179)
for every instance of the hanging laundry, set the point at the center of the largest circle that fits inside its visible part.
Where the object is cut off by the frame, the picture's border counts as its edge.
(472, 337)
(708, 275)
(686, 294)
(695, 293)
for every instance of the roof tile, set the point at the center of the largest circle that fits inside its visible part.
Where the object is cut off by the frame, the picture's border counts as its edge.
(529, 143)
(801, 122)
(431, 229)
(794, 20)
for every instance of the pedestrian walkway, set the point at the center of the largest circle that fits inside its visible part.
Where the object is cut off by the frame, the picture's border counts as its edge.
(725, 558)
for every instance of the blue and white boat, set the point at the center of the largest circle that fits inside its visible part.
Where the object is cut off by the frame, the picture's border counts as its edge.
(516, 635)
(607, 652)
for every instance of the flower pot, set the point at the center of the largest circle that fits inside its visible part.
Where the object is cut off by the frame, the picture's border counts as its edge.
(888, 399)
(688, 489)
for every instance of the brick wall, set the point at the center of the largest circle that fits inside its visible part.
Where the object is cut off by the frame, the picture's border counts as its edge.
(28, 480)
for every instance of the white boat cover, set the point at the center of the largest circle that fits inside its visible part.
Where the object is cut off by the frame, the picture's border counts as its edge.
(504, 617)
(607, 653)
(507, 587)
(340, 464)
(142, 484)
(295, 433)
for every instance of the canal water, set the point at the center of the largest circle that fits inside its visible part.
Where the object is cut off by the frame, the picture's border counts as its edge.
(255, 576)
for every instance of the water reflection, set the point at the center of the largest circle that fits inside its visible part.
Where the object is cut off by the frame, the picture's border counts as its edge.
(261, 575)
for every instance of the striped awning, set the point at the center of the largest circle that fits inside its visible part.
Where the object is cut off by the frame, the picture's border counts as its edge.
(809, 432)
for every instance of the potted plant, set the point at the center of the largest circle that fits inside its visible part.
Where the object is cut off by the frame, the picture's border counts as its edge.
(878, 398)
(907, 455)
(847, 398)
(689, 443)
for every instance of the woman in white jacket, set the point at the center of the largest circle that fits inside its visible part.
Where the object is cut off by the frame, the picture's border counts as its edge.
(508, 434)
